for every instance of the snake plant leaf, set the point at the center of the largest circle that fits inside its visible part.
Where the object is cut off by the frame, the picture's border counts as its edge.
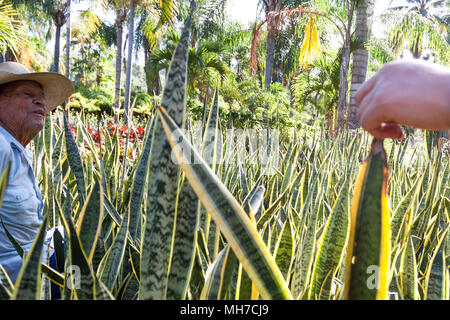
(28, 282)
(228, 215)
(6, 286)
(163, 181)
(212, 139)
(139, 180)
(90, 220)
(74, 158)
(48, 136)
(109, 267)
(211, 151)
(4, 181)
(284, 250)
(408, 272)
(332, 245)
(435, 281)
(79, 264)
(368, 250)
(219, 274)
(254, 200)
(184, 243)
(401, 217)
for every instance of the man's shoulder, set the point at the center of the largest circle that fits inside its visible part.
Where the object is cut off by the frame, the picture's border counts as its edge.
(5, 145)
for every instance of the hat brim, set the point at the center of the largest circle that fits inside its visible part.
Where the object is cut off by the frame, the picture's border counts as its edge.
(57, 87)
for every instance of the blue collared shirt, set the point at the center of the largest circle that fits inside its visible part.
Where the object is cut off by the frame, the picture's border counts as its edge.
(21, 210)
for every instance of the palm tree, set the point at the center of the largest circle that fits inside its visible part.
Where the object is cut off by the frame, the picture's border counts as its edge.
(120, 8)
(68, 37)
(419, 22)
(124, 9)
(58, 11)
(364, 13)
(126, 103)
(10, 31)
(270, 7)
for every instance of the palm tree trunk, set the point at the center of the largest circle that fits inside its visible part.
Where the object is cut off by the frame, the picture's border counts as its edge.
(117, 83)
(126, 104)
(269, 53)
(55, 66)
(68, 37)
(345, 63)
(364, 13)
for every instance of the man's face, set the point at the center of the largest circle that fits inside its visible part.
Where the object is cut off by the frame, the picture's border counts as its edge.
(22, 109)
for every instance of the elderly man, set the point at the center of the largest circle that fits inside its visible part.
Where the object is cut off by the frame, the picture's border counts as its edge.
(25, 99)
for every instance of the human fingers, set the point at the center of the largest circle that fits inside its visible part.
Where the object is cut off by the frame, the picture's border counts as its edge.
(387, 130)
(365, 89)
(363, 105)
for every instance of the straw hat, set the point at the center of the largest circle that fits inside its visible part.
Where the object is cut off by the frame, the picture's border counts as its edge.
(57, 88)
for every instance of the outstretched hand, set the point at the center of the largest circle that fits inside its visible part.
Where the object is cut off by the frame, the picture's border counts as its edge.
(414, 93)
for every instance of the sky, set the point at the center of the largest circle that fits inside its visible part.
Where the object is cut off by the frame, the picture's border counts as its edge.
(244, 11)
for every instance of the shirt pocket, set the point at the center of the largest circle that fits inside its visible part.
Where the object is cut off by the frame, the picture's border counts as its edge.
(19, 200)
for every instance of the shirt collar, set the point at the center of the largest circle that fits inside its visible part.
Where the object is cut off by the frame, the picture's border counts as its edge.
(13, 141)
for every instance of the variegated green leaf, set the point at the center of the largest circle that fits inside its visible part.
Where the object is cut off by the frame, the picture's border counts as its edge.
(228, 214)
(408, 272)
(75, 163)
(436, 276)
(90, 220)
(218, 275)
(6, 286)
(163, 181)
(109, 267)
(332, 245)
(28, 282)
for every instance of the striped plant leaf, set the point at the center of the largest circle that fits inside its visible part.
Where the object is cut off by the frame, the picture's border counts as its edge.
(305, 259)
(332, 245)
(109, 267)
(284, 250)
(48, 137)
(435, 280)
(139, 180)
(90, 220)
(228, 214)
(74, 158)
(28, 282)
(6, 286)
(211, 151)
(212, 139)
(306, 248)
(408, 272)
(244, 285)
(4, 181)
(78, 259)
(163, 181)
(253, 202)
(402, 213)
(219, 274)
(185, 239)
(368, 250)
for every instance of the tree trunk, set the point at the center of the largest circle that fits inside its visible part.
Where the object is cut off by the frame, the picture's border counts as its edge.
(55, 66)
(270, 53)
(364, 13)
(117, 84)
(345, 63)
(10, 56)
(416, 48)
(68, 37)
(126, 104)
